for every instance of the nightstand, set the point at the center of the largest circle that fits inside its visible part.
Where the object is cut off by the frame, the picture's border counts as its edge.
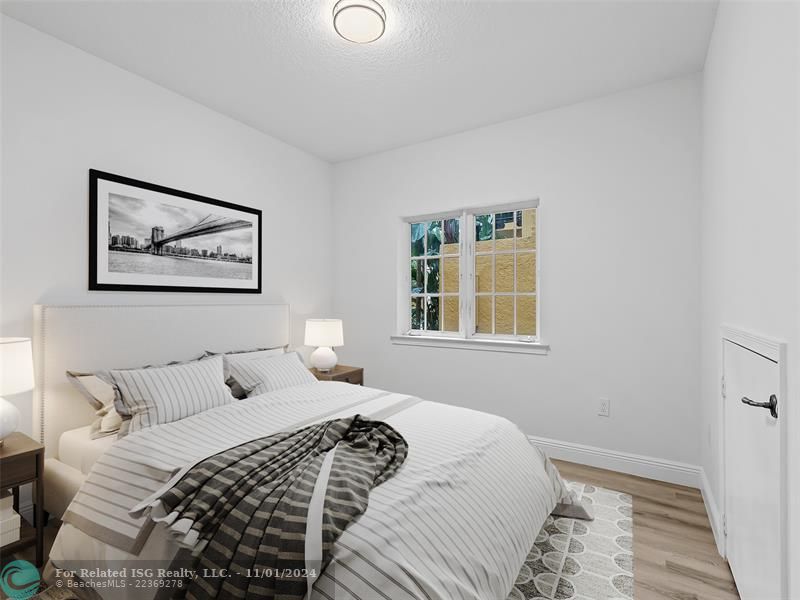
(21, 462)
(354, 375)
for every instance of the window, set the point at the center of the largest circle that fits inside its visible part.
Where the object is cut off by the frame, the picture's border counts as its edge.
(435, 275)
(474, 274)
(505, 273)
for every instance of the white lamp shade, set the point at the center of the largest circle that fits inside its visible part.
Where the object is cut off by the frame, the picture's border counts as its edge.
(324, 332)
(16, 366)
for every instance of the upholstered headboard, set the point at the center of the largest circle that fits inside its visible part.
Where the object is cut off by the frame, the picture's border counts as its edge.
(89, 338)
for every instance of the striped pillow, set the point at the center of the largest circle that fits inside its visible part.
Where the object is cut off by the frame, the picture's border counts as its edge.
(97, 387)
(237, 357)
(253, 353)
(164, 394)
(271, 373)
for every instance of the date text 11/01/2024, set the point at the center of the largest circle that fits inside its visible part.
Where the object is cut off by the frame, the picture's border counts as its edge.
(181, 573)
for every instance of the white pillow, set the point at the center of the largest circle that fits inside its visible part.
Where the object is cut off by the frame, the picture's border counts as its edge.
(164, 394)
(239, 355)
(101, 395)
(232, 358)
(97, 392)
(271, 373)
(108, 422)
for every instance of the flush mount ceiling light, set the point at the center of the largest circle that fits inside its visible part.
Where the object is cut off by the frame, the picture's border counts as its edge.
(359, 21)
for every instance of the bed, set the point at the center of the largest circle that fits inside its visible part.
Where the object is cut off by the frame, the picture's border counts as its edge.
(65, 472)
(456, 522)
(92, 337)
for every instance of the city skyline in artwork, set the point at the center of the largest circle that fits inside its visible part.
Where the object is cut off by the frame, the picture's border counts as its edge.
(135, 217)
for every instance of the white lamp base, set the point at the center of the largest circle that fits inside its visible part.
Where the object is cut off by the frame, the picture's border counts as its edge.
(323, 359)
(9, 419)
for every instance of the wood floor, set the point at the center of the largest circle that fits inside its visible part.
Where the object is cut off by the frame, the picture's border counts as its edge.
(674, 553)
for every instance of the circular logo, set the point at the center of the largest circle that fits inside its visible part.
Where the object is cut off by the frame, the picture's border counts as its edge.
(20, 579)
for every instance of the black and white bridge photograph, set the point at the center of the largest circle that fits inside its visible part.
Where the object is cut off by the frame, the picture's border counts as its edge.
(156, 237)
(152, 237)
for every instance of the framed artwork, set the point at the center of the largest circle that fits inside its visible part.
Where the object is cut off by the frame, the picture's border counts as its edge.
(150, 238)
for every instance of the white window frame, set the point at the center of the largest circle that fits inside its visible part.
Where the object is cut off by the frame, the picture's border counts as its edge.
(461, 333)
(466, 337)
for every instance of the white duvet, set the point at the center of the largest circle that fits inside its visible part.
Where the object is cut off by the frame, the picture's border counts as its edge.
(456, 522)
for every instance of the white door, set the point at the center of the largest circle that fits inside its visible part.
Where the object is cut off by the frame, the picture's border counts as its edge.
(753, 473)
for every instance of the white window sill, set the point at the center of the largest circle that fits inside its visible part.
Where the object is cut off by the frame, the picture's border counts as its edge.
(471, 344)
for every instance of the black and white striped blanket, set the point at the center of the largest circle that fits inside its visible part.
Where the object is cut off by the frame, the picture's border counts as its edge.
(245, 511)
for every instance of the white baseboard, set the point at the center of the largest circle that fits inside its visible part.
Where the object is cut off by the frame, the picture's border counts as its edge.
(714, 515)
(622, 462)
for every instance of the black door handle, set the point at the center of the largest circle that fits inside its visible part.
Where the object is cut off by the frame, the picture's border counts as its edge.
(772, 405)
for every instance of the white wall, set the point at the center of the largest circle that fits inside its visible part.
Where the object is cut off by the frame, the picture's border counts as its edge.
(750, 228)
(619, 183)
(65, 111)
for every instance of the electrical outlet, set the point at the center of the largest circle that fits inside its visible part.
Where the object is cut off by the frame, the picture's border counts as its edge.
(604, 408)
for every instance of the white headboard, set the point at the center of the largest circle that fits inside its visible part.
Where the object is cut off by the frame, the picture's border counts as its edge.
(90, 338)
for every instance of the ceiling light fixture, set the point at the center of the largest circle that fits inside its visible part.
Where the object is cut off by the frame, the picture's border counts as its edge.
(359, 21)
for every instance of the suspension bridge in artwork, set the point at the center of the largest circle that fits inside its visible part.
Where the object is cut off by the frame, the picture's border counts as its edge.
(207, 225)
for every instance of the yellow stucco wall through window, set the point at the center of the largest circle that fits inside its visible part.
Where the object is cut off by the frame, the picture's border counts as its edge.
(505, 273)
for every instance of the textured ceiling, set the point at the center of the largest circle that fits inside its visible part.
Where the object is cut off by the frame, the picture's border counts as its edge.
(442, 66)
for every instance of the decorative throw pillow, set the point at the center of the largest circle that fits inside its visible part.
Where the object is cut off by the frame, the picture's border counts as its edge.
(108, 422)
(98, 393)
(161, 395)
(271, 373)
(230, 358)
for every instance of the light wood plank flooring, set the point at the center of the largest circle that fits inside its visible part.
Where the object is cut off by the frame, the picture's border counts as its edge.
(674, 554)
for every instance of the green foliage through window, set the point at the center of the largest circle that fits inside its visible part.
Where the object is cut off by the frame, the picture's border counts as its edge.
(430, 306)
(484, 224)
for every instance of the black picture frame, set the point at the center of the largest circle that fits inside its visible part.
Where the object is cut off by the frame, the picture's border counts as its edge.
(96, 176)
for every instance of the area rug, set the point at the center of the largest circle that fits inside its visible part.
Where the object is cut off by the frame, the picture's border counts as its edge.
(582, 560)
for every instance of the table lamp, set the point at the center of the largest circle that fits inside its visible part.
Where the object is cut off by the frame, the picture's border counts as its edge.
(16, 376)
(324, 333)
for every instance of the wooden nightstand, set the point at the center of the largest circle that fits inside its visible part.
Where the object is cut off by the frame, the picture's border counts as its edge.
(21, 462)
(354, 375)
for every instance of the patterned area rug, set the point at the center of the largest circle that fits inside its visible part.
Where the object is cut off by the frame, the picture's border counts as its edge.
(582, 560)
